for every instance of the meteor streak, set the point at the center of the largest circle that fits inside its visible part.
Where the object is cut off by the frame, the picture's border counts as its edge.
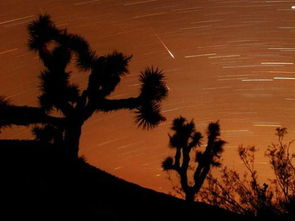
(164, 45)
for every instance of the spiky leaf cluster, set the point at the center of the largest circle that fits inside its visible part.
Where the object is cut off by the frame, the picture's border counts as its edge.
(85, 56)
(167, 164)
(153, 90)
(106, 74)
(217, 146)
(185, 135)
(57, 91)
(153, 85)
(214, 149)
(41, 31)
(148, 115)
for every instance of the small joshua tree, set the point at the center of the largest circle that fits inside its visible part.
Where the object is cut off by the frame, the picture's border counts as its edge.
(56, 49)
(184, 140)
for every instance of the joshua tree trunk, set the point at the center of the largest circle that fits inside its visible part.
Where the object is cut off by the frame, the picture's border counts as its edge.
(72, 138)
(190, 196)
(200, 178)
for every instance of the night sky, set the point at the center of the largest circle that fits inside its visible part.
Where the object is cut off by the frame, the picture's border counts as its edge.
(227, 60)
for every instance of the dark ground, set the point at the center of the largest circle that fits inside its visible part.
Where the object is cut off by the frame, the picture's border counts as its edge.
(39, 183)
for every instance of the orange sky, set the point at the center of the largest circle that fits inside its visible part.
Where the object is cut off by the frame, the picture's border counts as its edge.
(227, 60)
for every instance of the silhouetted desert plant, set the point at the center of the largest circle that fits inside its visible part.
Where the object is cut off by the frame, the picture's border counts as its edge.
(184, 140)
(56, 49)
(245, 195)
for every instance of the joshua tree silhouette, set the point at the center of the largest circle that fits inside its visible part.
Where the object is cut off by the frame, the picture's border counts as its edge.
(183, 141)
(56, 49)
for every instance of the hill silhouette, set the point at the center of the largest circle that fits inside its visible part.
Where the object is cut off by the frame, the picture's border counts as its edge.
(38, 182)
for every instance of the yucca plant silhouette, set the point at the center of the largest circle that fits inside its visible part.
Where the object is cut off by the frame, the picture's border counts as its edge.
(185, 139)
(56, 49)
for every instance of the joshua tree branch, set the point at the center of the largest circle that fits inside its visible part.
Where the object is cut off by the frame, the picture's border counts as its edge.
(66, 109)
(110, 105)
(24, 115)
(177, 159)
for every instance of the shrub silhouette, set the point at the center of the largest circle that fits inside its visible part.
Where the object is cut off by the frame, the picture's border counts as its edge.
(57, 48)
(185, 139)
(245, 195)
